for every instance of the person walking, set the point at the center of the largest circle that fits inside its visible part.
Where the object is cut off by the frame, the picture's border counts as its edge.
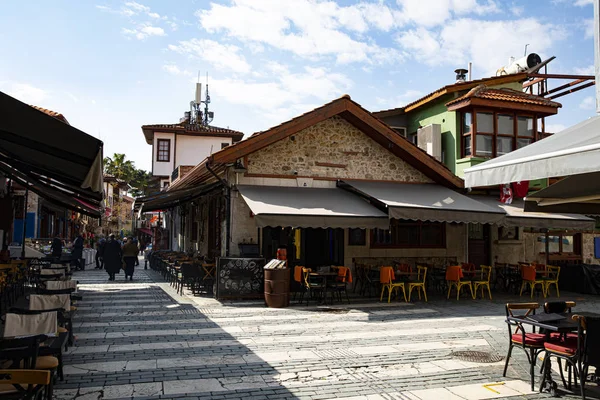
(137, 260)
(130, 255)
(56, 248)
(113, 257)
(100, 244)
(77, 252)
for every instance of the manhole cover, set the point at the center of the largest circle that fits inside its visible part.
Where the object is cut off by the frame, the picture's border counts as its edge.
(477, 356)
(334, 310)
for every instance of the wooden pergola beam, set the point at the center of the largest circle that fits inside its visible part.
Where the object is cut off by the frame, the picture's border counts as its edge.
(576, 89)
(559, 88)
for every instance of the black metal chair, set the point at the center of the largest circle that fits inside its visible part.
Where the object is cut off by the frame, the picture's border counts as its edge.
(531, 342)
(580, 353)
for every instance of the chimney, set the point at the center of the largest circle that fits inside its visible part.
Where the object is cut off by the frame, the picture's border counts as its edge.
(461, 75)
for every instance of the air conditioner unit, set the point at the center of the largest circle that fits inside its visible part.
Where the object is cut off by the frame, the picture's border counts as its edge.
(400, 129)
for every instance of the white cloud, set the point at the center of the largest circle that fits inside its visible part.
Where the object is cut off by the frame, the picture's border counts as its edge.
(143, 32)
(24, 92)
(583, 3)
(588, 103)
(431, 13)
(219, 55)
(286, 94)
(517, 10)
(408, 96)
(589, 70)
(588, 28)
(306, 28)
(154, 15)
(172, 69)
(455, 44)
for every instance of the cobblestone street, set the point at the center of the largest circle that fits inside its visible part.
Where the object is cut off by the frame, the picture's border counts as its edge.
(140, 339)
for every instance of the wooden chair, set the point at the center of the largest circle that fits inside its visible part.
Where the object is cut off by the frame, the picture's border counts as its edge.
(551, 279)
(419, 284)
(454, 277)
(531, 342)
(23, 384)
(528, 273)
(387, 282)
(486, 276)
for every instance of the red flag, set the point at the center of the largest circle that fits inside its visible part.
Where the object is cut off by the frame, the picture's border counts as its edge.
(506, 195)
(520, 189)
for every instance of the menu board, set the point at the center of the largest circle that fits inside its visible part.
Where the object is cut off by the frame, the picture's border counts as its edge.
(240, 278)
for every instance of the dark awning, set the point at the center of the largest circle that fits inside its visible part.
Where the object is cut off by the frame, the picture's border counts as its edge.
(576, 193)
(52, 193)
(517, 216)
(310, 208)
(424, 202)
(39, 145)
(170, 199)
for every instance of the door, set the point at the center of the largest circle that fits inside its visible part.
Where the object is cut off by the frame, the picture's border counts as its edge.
(479, 244)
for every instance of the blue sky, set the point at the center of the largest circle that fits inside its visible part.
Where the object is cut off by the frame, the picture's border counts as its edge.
(112, 66)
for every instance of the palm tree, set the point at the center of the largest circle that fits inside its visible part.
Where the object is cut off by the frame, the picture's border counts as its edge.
(119, 167)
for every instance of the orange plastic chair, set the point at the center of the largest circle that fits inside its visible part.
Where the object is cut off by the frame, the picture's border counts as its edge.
(529, 279)
(386, 277)
(454, 275)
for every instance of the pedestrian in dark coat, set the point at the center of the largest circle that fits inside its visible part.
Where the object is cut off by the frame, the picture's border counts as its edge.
(130, 255)
(77, 252)
(113, 257)
(56, 248)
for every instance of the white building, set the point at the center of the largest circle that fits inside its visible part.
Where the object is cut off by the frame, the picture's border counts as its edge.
(177, 148)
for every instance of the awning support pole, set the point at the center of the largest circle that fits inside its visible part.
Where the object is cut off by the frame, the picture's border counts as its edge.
(547, 248)
(227, 208)
(24, 221)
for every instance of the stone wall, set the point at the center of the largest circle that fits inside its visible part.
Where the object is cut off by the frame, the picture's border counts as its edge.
(332, 149)
(588, 248)
(526, 248)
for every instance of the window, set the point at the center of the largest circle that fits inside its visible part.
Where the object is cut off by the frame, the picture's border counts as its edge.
(494, 133)
(410, 234)
(163, 151)
(357, 237)
(223, 145)
(561, 243)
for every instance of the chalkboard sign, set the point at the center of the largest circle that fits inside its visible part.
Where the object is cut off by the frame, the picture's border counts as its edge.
(240, 278)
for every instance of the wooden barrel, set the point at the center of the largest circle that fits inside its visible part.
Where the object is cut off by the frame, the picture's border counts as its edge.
(277, 287)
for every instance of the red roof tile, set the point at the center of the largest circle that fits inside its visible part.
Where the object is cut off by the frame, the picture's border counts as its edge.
(51, 113)
(191, 129)
(505, 94)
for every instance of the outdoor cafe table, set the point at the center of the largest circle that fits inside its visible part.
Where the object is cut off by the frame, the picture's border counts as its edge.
(560, 323)
(327, 277)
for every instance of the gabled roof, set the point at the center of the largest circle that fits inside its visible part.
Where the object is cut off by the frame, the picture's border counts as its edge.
(51, 113)
(455, 87)
(354, 114)
(191, 130)
(482, 95)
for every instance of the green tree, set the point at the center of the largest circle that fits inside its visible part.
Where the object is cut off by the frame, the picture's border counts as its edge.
(141, 181)
(119, 167)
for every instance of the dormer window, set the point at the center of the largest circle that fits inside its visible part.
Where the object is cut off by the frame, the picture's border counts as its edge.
(489, 134)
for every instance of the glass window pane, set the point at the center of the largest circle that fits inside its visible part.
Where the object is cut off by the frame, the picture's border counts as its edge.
(467, 122)
(504, 145)
(467, 145)
(505, 124)
(553, 244)
(485, 122)
(523, 143)
(567, 244)
(483, 145)
(525, 126)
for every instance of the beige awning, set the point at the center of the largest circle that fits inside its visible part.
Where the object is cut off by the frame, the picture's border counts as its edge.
(425, 202)
(310, 208)
(516, 216)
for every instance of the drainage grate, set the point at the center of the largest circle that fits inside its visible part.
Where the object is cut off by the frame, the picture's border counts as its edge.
(334, 310)
(477, 356)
